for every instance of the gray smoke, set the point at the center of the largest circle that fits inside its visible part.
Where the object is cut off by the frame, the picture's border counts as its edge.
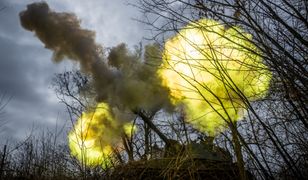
(122, 80)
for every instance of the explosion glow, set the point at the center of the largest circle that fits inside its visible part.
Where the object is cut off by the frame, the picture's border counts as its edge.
(95, 135)
(209, 68)
(206, 68)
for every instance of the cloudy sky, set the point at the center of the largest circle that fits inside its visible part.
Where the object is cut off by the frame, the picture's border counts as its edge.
(26, 69)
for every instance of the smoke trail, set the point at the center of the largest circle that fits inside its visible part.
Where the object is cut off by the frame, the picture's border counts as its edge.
(124, 82)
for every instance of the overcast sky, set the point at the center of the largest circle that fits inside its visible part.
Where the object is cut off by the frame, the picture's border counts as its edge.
(26, 69)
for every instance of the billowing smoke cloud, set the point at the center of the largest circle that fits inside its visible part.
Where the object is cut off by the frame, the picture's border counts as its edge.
(122, 81)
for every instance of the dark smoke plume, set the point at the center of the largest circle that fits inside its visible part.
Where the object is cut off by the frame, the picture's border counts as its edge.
(122, 80)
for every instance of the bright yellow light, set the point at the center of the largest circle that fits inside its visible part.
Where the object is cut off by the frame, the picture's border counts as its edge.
(207, 67)
(129, 129)
(95, 135)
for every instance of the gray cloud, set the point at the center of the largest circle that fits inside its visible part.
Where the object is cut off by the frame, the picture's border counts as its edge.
(26, 69)
(131, 83)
